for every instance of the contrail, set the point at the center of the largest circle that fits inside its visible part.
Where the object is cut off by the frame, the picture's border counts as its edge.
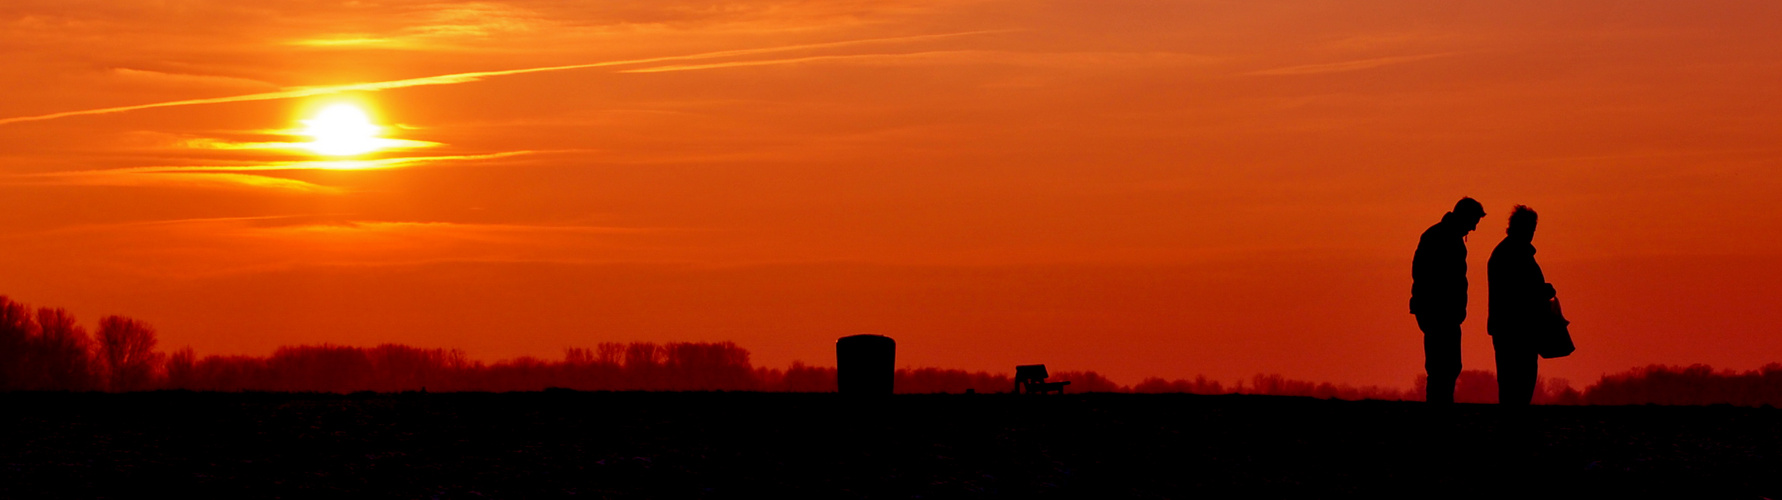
(772, 62)
(1336, 67)
(298, 92)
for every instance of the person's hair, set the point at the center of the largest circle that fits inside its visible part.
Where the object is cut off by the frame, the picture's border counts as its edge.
(1523, 218)
(1469, 206)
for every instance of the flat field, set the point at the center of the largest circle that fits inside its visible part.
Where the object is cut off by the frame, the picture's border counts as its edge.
(744, 445)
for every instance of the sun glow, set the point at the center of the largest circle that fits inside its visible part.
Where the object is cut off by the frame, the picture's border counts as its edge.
(342, 130)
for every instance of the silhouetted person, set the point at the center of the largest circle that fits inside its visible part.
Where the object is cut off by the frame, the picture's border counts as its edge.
(1438, 296)
(1518, 307)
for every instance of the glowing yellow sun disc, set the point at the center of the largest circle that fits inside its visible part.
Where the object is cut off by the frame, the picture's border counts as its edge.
(342, 130)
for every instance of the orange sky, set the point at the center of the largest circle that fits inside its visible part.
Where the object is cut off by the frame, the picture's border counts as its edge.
(1142, 188)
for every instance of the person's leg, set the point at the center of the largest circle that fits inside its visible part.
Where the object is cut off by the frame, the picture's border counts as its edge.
(1441, 358)
(1515, 370)
(1531, 372)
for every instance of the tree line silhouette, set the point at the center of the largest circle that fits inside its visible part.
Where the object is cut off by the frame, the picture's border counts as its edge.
(46, 349)
(1691, 385)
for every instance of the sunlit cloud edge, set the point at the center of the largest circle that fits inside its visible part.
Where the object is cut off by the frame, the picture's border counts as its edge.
(456, 78)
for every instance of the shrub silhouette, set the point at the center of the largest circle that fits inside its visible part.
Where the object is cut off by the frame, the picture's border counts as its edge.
(1200, 385)
(1691, 385)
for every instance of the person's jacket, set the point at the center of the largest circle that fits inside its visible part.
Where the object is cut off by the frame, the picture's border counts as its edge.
(1519, 292)
(1438, 272)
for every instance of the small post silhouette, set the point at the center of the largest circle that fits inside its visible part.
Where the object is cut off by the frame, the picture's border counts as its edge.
(865, 364)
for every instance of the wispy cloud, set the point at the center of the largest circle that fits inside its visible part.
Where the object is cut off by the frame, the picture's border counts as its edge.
(343, 41)
(193, 247)
(176, 179)
(774, 62)
(439, 24)
(341, 222)
(1036, 59)
(235, 176)
(375, 164)
(1338, 67)
(456, 78)
(378, 143)
(187, 80)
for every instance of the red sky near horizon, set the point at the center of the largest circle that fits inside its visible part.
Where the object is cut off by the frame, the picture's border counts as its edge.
(1142, 188)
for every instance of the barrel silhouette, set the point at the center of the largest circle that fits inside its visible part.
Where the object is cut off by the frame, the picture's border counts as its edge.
(865, 364)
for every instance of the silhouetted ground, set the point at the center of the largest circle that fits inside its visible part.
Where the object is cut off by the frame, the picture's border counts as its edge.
(560, 443)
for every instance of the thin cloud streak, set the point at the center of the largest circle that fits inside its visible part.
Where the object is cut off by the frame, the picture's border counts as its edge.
(378, 164)
(380, 143)
(183, 179)
(1047, 59)
(210, 247)
(285, 223)
(1337, 67)
(237, 175)
(301, 92)
(775, 62)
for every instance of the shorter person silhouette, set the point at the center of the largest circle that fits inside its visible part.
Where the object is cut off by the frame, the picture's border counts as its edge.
(1517, 308)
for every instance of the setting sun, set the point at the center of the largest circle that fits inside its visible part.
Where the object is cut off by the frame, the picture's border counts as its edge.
(342, 130)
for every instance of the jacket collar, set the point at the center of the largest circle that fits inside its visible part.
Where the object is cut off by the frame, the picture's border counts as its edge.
(1519, 246)
(1452, 226)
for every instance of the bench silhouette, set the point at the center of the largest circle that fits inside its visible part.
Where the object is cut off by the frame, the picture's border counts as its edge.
(1031, 379)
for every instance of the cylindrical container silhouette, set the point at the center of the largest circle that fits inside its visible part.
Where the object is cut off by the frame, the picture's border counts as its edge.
(865, 364)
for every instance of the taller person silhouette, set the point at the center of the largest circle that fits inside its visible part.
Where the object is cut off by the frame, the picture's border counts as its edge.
(1517, 307)
(1438, 296)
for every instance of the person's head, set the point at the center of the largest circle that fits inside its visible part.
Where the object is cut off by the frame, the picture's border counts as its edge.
(1522, 222)
(1467, 213)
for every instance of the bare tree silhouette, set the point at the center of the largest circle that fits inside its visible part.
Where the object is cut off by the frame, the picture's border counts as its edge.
(64, 352)
(127, 352)
(18, 332)
(182, 369)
